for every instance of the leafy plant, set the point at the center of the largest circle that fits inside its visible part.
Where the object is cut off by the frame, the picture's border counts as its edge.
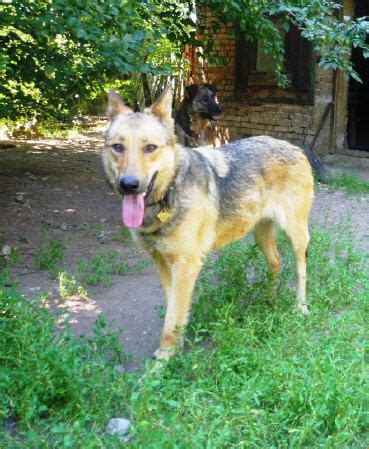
(49, 254)
(69, 287)
(54, 57)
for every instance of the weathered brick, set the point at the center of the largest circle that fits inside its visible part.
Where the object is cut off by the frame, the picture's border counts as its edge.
(295, 122)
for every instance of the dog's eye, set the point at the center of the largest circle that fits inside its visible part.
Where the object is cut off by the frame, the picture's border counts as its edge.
(204, 100)
(150, 148)
(118, 147)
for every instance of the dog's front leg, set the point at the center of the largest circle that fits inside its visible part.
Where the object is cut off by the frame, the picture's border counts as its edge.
(163, 267)
(183, 273)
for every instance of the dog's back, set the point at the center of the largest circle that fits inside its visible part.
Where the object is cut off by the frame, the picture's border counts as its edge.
(246, 181)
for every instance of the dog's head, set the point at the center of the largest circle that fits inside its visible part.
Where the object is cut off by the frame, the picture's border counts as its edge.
(201, 100)
(139, 153)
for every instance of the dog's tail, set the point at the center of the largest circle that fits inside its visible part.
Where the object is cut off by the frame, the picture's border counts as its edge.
(320, 171)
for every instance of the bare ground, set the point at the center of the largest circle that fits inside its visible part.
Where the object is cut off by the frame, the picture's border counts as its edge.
(55, 190)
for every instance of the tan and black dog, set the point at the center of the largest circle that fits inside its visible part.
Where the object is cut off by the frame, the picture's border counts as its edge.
(198, 109)
(182, 203)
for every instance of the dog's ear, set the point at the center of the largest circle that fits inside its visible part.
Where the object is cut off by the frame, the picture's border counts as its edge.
(162, 108)
(116, 105)
(212, 88)
(191, 91)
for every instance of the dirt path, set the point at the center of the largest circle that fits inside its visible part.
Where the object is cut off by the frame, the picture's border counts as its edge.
(55, 190)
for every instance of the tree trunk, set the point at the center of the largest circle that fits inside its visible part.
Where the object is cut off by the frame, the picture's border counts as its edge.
(146, 89)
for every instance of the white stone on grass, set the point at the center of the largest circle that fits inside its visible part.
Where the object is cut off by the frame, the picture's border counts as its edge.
(118, 426)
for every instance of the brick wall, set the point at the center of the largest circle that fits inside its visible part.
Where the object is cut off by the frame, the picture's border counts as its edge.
(296, 123)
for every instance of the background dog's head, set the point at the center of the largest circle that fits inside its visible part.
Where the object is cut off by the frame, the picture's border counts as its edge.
(139, 153)
(201, 100)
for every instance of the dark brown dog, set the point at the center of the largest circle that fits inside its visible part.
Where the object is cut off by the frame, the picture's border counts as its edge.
(198, 109)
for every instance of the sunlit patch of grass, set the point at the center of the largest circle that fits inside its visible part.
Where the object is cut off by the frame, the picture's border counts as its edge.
(69, 287)
(50, 131)
(24, 129)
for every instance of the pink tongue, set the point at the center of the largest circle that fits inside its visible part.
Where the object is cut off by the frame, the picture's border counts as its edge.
(133, 210)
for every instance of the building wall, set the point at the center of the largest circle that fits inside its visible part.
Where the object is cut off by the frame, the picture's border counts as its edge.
(341, 98)
(296, 123)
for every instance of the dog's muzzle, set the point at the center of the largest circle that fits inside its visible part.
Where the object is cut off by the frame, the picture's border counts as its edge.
(213, 113)
(128, 184)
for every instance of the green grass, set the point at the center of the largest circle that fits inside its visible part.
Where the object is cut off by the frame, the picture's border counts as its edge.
(252, 375)
(350, 182)
(48, 256)
(54, 385)
(101, 268)
(122, 235)
(97, 270)
(94, 230)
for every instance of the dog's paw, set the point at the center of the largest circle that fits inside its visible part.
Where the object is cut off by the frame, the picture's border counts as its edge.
(160, 358)
(157, 366)
(163, 355)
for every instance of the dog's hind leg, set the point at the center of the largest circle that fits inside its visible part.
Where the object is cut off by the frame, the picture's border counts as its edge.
(184, 271)
(264, 237)
(298, 234)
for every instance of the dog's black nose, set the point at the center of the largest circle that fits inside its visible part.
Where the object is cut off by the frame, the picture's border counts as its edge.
(129, 184)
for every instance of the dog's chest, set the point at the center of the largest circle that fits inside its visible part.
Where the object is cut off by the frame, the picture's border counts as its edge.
(197, 141)
(153, 242)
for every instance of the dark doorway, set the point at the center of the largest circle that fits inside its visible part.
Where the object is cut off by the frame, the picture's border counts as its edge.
(358, 100)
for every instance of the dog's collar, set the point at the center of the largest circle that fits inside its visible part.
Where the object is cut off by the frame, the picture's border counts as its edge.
(151, 184)
(165, 203)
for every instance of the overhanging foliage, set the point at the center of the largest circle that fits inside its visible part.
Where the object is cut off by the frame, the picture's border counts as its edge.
(54, 53)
